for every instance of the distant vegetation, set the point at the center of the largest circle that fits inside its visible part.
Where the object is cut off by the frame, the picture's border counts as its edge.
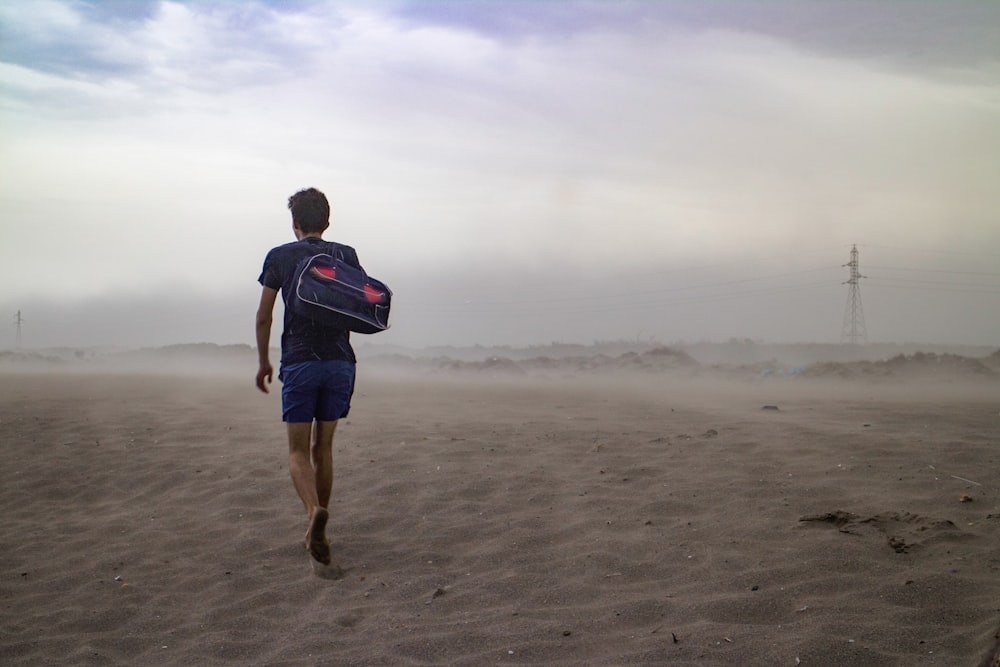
(733, 359)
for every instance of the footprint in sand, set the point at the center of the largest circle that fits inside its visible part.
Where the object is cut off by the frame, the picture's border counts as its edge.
(902, 530)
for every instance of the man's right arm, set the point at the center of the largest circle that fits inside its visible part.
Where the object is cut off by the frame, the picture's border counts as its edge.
(265, 312)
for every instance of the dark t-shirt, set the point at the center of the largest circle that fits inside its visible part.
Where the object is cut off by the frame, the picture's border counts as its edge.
(302, 339)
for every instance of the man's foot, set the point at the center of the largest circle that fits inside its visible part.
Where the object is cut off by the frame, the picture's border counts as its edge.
(316, 542)
(330, 571)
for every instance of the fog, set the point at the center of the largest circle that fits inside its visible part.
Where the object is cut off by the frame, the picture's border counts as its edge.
(498, 306)
(518, 173)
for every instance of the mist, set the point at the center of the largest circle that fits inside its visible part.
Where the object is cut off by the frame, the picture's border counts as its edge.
(518, 173)
(790, 300)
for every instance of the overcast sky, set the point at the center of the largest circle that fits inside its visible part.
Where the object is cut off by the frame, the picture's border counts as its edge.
(518, 172)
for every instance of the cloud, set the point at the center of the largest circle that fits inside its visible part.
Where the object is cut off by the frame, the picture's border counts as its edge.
(920, 36)
(458, 139)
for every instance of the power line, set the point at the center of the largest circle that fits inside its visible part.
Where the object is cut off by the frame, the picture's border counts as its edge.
(605, 304)
(934, 251)
(554, 299)
(798, 253)
(647, 292)
(960, 273)
(926, 285)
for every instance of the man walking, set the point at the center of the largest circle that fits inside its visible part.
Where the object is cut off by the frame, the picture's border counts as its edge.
(317, 366)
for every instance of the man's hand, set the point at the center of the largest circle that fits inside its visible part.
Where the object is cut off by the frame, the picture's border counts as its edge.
(264, 373)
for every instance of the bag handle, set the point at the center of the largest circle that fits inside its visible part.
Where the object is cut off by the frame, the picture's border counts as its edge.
(333, 249)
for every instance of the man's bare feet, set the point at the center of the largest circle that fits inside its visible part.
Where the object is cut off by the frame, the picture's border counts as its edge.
(332, 571)
(316, 542)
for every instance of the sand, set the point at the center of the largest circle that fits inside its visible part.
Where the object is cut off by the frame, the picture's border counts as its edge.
(584, 521)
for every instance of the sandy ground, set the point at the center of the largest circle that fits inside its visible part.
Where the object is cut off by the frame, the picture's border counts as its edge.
(150, 520)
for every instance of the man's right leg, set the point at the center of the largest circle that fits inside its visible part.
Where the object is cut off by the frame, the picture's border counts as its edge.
(320, 391)
(304, 479)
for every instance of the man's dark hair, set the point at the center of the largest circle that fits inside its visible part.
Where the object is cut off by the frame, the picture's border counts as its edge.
(310, 210)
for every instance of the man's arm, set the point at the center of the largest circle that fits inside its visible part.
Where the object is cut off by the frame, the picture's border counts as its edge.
(264, 315)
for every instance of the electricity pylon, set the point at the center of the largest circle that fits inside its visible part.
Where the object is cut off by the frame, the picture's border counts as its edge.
(853, 330)
(17, 321)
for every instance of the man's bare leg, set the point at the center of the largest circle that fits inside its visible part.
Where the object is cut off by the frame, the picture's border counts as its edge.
(322, 460)
(304, 479)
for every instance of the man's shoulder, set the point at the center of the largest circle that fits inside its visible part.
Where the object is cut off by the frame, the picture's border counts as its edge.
(287, 253)
(321, 244)
(298, 250)
(283, 248)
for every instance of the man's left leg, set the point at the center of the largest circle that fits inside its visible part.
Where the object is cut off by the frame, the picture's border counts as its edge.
(322, 460)
(300, 465)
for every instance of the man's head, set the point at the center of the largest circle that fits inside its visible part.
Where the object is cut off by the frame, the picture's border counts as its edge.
(310, 210)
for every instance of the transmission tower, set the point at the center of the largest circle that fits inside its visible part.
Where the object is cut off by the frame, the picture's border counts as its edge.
(853, 331)
(18, 320)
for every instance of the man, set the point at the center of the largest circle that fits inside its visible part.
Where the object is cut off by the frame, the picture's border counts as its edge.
(317, 366)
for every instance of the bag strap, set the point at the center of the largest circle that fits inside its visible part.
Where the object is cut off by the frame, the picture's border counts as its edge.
(332, 248)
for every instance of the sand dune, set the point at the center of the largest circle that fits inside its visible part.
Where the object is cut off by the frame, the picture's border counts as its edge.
(642, 519)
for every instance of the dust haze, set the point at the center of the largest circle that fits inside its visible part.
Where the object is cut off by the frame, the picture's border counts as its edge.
(734, 375)
(518, 173)
(906, 297)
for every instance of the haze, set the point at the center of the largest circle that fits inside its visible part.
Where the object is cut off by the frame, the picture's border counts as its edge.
(517, 172)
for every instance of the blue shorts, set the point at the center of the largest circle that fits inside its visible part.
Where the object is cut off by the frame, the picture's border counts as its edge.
(319, 390)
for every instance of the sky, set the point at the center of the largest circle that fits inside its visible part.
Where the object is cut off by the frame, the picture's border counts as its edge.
(519, 173)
